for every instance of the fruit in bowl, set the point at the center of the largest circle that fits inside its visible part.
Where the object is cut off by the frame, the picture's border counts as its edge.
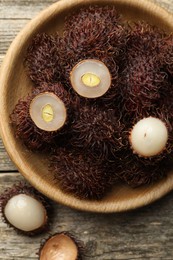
(117, 78)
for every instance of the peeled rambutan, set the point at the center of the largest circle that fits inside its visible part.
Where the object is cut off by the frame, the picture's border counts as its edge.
(95, 33)
(154, 136)
(43, 59)
(80, 174)
(36, 134)
(98, 130)
(25, 209)
(61, 244)
(137, 169)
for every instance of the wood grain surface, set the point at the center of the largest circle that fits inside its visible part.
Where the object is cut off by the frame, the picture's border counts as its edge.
(146, 233)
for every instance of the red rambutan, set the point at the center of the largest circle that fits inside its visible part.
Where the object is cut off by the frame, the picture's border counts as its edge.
(98, 130)
(80, 174)
(95, 33)
(36, 134)
(43, 59)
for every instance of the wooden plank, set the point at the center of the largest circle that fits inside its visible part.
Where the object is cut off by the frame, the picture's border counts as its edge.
(12, 20)
(5, 162)
(142, 234)
(25, 9)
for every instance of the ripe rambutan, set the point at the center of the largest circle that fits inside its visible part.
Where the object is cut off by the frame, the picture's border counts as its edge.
(80, 174)
(98, 130)
(43, 59)
(25, 209)
(95, 33)
(136, 171)
(61, 244)
(40, 128)
(143, 82)
(154, 135)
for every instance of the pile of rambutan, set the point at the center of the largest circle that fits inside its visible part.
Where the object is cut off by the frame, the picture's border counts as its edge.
(102, 102)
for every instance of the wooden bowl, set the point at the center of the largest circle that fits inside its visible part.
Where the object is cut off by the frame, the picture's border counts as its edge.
(15, 84)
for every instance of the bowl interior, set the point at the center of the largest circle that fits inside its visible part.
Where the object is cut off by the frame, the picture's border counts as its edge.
(15, 84)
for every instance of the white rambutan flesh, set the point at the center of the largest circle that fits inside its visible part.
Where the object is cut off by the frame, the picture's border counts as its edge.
(25, 213)
(90, 78)
(48, 112)
(149, 137)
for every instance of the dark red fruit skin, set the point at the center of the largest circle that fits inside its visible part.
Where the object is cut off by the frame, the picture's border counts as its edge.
(85, 37)
(98, 130)
(136, 172)
(80, 174)
(34, 138)
(144, 81)
(23, 188)
(42, 61)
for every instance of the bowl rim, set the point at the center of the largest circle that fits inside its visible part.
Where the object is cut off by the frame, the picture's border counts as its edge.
(24, 168)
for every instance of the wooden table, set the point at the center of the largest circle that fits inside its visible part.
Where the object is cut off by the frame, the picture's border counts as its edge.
(146, 233)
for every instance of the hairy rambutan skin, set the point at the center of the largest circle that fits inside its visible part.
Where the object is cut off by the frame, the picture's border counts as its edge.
(144, 81)
(166, 54)
(98, 130)
(135, 172)
(80, 174)
(79, 243)
(95, 33)
(34, 138)
(43, 60)
(23, 188)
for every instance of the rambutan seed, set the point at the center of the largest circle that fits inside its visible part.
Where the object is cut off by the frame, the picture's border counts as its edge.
(90, 78)
(61, 245)
(148, 137)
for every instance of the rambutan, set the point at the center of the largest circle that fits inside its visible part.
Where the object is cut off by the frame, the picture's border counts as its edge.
(98, 130)
(154, 136)
(25, 209)
(143, 82)
(136, 171)
(43, 59)
(95, 33)
(80, 174)
(36, 134)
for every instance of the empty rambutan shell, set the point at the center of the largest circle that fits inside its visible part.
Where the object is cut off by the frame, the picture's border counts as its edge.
(34, 137)
(90, 78)
(61, 246)
(25, 209)
(79, 174)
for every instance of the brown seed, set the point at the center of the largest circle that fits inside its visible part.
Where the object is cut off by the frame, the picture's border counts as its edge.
(60, 246)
